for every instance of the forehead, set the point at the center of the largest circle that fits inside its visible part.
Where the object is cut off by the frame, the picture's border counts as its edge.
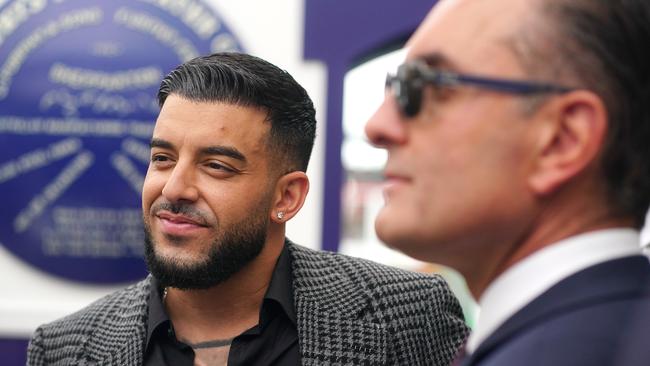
(194, 125)
(474, 35)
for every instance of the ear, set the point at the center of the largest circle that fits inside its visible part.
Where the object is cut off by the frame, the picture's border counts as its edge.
(572, 135)
(290, 193)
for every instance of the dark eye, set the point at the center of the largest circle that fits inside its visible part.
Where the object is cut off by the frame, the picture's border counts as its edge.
(220, 167)
(158, 158)
(161, 161)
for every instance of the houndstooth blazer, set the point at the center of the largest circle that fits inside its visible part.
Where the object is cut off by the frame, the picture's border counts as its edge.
(349, 312)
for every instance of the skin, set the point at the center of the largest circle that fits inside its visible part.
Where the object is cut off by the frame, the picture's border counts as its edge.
(474, 181)
(189, 163)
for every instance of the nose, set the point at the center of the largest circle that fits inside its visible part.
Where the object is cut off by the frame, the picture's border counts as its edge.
(385, 128)
(181, 184)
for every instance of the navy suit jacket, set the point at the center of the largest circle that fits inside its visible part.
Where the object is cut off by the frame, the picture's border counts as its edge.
(585, 319)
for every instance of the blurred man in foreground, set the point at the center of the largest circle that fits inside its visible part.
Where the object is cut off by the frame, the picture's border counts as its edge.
(518, 139)
(228, 158)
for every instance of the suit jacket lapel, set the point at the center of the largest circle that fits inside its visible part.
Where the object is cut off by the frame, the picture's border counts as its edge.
(333, 311)
(603, 282)
(121, 326)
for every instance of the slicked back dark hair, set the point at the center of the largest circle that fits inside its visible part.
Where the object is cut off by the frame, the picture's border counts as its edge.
(605, 46)
(248, 81)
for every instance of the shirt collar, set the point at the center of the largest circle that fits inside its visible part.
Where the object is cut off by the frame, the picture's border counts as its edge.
(509, 292)
(281, 286)
(157, 316)
(280, 290)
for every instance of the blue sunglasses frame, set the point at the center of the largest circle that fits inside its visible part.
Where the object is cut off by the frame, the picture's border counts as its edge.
(407, 85)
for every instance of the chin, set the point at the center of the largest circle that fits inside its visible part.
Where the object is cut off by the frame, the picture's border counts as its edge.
(182, 258)
(391, 236)
(392, 227)
(405, 242)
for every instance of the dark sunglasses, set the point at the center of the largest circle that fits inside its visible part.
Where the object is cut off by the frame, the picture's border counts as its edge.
(413, 76)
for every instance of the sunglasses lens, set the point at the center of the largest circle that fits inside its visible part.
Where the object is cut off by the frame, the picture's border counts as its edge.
(409, 93)
(400, 89)
(406, 87)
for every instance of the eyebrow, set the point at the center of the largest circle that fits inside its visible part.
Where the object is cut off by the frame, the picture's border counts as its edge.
(228, 151)
(160, 143)
(437, 59)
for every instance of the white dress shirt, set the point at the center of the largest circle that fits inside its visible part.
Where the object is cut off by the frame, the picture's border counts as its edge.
(532, 276)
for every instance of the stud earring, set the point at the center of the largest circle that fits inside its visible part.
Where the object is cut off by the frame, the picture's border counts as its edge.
(280, 215)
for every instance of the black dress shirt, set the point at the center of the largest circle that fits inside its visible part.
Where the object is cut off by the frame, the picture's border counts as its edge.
(274, 341)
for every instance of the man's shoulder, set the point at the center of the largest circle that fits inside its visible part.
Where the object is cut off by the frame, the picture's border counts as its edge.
(108, 310)
(371, 275)
(417, 312)
(580, 320)
(108, 331)
(590, 334)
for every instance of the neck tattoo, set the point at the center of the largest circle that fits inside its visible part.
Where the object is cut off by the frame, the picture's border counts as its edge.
(217, 343)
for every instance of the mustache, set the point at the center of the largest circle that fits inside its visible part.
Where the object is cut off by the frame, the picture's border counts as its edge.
(180, 208)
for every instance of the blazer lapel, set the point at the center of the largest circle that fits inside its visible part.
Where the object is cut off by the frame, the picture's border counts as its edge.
(333, 313)
(603, 282)
(117, 336)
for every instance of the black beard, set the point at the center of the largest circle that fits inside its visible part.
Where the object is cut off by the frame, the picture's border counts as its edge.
(228, 254)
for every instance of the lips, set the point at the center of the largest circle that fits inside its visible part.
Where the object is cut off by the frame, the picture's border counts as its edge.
(393, 178)
(178, 224)
(393, 182)
(180, 219)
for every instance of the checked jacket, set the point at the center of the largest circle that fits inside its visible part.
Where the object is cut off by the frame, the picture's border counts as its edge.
(349, 312)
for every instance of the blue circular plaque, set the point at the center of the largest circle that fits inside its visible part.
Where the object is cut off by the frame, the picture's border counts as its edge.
(78, 82)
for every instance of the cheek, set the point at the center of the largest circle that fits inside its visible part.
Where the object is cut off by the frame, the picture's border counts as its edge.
(237, 200)
(151, 189)
(458, 169)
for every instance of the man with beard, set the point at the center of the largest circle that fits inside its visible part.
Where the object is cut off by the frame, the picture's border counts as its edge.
(228, 158)
(518, 145)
